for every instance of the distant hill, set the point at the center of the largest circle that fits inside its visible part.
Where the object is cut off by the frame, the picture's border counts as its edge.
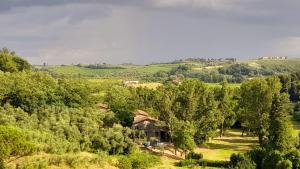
(207, 70)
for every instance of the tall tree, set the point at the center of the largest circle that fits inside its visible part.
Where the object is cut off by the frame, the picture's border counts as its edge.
(225, 106)
(166, 96)
(255, 105)
(280, 129)
(183, 136)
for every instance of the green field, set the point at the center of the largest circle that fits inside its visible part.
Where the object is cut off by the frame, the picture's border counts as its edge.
(124, 70)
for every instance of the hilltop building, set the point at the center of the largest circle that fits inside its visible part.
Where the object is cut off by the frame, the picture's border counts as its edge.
(273, 58)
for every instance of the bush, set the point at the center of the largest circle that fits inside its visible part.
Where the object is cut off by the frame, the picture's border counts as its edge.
(188, 163)
(245, 164)
(284, 164)
(240, 161)
(193, 155)
(236, 158)
(294, 157)
(257, 156)
(271, 159)
(210, 163)
(138, 160)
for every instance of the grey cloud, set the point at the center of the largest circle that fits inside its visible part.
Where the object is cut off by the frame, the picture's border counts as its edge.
(144, 31)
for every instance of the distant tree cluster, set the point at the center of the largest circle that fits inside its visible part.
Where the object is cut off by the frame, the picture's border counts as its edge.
(101, 66)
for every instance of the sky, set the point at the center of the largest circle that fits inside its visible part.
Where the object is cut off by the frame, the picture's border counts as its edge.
(148, 31)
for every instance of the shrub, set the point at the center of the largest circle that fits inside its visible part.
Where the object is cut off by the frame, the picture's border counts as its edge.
(294, 157)
(193, 155)
(257, 156)
(188, 163)
(245, 164)
(138, 160)
(271, 159)
(284, 164)
(210, 163)
(13, 143)
(236, 158)
(240, 161)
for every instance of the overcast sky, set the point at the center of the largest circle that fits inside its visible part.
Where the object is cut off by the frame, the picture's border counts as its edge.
(146, 31)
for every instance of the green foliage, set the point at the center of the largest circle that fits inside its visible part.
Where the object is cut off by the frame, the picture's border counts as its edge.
(116, 140)
(62, 161)
(36, 90)
(210, 163)
(122, 102)
(13, 143)
(239, 69)
(191, 101)
(255, 104)
(124, 163)
(257, 155)
(138, 160)
(183, 136)
(226, 105)
(62, 129)
(241, 161)
(193, 155)
(245, 164)
(188, 163)
(10, 62)
(181, 69)
(264, 110)
(27, 90)
(280, 130)
(38, 163)
(74, 92)
(284, 164)
(294, 157)
(269, 159)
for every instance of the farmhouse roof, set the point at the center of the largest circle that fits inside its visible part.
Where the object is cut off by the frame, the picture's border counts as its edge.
(141, 116)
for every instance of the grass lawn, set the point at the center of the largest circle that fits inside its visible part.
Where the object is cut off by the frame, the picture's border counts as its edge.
(124, 71)
(232, 142)
(216, 149)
